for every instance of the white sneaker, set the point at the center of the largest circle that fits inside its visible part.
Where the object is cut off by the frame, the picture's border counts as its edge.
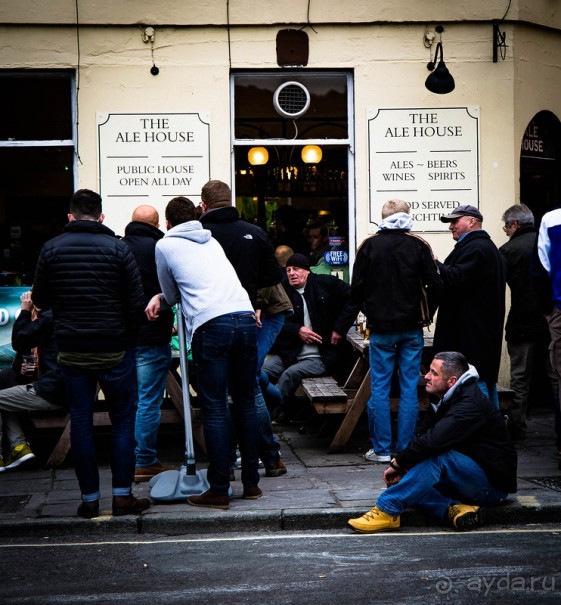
(372, 456)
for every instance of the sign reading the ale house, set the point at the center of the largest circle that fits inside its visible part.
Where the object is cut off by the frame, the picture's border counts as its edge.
(428, 157)
(150, 159)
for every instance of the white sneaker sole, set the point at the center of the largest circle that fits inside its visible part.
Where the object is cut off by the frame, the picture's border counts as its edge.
(21, 460)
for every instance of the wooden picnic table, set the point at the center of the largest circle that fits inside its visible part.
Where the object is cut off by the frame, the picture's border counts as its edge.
(357, 389)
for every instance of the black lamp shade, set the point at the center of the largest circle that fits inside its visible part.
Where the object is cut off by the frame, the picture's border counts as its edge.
(440, 81)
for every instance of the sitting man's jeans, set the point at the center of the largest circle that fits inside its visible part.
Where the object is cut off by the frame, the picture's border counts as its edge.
(119, 386)
(288, 378)
(225, 359)
(152, 366)
(267, 334)
(437, 483)
(405, 348)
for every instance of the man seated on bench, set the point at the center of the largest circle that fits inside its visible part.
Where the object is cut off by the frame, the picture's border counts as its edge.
(312, 338)
(462, 459)
(25, 387)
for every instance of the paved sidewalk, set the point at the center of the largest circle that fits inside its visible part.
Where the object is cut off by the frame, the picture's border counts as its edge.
(320, 491)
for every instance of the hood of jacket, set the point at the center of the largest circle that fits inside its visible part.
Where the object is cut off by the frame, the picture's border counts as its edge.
(192, 231)
(399, 220)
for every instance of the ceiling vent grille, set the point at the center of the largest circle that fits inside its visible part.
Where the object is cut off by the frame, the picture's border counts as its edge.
(291, 100)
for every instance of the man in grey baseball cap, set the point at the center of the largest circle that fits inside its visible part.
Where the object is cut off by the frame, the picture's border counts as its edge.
(474, 289)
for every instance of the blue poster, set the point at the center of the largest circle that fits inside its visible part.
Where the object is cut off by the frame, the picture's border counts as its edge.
(9, 310)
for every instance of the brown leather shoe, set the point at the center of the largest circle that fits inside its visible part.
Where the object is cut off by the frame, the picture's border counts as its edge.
(210, 500)
(251, 493)
(129, 505)
(145, 473)
(276, 470)
(88, 510)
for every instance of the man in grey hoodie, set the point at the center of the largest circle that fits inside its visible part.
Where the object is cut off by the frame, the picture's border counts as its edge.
(220, 324)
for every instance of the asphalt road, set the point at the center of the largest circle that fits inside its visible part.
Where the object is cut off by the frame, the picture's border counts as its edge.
(507, 565)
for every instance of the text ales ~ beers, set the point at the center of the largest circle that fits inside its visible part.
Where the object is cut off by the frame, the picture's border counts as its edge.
(443, 174)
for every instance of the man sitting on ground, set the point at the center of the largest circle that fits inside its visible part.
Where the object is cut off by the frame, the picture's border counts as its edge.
(461, 461)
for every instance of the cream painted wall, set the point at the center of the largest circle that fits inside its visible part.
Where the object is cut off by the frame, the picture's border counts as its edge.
(388, 61)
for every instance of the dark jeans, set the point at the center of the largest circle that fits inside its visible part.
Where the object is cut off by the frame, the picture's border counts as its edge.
(119, 387)
(225, 356)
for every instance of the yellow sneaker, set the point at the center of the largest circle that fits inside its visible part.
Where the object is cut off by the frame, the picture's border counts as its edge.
(20, 454)
(465, 517)
(374, 520)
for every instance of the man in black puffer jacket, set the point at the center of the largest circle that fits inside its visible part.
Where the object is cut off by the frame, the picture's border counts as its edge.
(90, 280)
(462, 455)
(152, 351)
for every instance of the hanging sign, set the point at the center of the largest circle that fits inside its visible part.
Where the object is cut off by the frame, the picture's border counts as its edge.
(428, 157)
(150, 159)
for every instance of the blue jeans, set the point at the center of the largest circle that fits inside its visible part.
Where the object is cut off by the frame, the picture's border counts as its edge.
(266, 335)
(225, 359)
(490, 391)
(152, 366)
(436, 483)
(119, 386)
(406, 348)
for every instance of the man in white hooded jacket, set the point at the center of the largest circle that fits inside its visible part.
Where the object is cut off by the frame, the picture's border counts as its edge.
(221, 327)
(461, 461)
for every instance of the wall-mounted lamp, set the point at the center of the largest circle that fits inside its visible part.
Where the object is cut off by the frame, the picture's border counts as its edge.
(311, 154)
(258, 156)
(499, 42)
(440, 81)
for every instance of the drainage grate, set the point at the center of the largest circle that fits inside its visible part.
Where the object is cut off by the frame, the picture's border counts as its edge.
(549, 482)
(12, 504)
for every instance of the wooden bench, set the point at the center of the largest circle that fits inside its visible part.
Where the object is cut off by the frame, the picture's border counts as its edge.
(61, 419)
(49, 420)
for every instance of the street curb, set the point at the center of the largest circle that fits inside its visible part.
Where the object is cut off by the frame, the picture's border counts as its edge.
(219, 522)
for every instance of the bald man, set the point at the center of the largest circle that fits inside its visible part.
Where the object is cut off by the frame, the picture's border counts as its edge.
(282, 254)
(152, 351)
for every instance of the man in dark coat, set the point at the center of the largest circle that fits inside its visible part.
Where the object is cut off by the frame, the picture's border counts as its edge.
(312, 338)
(461, 460)
(90, 280)
(473, 296)
(526, 332)
(253, 258)
(21, 392)
(152, 351)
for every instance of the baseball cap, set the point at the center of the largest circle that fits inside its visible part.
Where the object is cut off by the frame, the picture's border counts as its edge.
(464, 210)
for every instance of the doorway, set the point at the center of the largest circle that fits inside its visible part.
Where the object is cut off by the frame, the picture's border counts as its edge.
(292, 161)
(540, 174)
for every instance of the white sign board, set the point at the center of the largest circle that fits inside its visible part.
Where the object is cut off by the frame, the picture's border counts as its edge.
(150, 159)
(428, 157)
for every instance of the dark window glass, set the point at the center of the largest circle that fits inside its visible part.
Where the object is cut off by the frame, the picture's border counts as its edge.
(35, 106)
(256, 117)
